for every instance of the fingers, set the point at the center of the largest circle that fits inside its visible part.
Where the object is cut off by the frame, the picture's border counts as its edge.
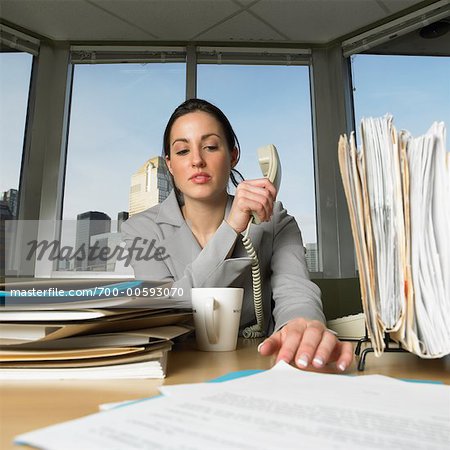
(254, 196)
(308, 343)
(261, 183)
(346, 356)
(285, 342)
(313, 338)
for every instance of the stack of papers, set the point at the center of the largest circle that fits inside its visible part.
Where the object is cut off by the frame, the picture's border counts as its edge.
(397, 189)
(88, 339)
(348, 327)
(280, 408)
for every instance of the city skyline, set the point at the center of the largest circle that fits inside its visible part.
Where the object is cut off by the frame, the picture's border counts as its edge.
(150, 185)
(405, 86)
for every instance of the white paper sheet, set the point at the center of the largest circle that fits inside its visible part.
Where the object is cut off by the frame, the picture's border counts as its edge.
(281, 408)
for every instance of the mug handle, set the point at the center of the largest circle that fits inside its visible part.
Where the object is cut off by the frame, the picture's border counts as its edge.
(209, 320)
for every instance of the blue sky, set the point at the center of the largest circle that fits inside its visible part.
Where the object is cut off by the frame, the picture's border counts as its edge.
(416, 90)
(15, 69)
(119, 124)
(119, 113)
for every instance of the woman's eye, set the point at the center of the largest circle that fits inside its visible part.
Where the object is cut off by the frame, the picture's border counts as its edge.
(182, 152)
(211, 148)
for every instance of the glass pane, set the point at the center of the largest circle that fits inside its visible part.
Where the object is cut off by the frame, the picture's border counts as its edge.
(118, 115)
(271, 104)
(15, 73)
(415, 89)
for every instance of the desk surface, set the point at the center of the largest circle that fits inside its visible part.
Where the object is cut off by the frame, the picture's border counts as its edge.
(27, 405)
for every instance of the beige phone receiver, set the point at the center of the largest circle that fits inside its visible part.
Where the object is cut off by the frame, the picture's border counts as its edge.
(271, 169)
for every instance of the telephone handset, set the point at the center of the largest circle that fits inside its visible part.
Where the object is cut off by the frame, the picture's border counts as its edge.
(271, 169)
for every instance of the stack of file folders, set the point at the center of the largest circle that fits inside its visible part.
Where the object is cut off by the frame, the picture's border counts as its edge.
(94, 338)
(398, 190)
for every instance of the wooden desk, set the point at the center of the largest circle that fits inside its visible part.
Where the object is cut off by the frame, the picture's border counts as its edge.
(27, 405)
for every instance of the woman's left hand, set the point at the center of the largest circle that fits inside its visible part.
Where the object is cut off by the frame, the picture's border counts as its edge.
(307, 343)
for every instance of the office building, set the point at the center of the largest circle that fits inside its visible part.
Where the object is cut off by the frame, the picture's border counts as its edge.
(150, 185)
(5, 215)
(311, 255)
(121, 217)
(11, 198)
(5, 211)
(89, 223)
(65, 264)
(105, 240)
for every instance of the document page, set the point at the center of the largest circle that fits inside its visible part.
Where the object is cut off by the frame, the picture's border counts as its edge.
(397, 190)
(281, 408)
(430, 240)
(380, 153)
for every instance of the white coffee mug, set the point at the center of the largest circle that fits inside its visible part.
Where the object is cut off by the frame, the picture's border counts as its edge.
(217, 313)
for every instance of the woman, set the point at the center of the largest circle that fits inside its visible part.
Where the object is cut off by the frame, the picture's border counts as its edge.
(196, 234)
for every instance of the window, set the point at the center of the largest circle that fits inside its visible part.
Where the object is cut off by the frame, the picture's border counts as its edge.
(271, 104)
(15, 73)
(415, 89)
(118, 115)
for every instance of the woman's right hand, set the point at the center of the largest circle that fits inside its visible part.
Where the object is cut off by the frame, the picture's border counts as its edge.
(256, 196)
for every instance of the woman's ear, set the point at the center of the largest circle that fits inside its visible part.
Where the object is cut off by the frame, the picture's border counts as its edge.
(168, 165)
(234, 157)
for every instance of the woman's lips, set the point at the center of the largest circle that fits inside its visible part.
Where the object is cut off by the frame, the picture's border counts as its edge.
(200, 178)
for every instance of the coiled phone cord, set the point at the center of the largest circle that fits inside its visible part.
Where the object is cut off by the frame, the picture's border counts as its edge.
(256, 330)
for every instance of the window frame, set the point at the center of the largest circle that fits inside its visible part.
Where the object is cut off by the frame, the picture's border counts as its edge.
(12, 40)
(336, 257)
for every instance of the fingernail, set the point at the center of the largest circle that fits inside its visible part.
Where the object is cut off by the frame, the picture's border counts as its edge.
(259, 347)
(303, 360)
(318, 361)
(342, 366)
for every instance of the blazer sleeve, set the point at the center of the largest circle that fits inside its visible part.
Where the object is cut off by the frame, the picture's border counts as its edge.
(294, 294)
(211, 267)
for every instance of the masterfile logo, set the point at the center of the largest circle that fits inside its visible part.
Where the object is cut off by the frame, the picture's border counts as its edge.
(80, 247)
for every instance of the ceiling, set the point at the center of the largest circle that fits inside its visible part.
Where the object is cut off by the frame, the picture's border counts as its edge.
(288, 22)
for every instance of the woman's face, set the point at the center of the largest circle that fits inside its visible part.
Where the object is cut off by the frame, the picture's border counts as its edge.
(200, 160)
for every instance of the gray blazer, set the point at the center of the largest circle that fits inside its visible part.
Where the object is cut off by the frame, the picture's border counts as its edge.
(178, 257)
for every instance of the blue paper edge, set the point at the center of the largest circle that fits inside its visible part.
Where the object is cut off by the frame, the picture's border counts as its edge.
(122, 285)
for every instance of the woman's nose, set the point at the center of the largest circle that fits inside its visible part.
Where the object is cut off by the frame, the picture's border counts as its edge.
(197, 158)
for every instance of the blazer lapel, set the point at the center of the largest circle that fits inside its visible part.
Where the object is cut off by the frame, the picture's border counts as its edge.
(182, 247)
(180, 244)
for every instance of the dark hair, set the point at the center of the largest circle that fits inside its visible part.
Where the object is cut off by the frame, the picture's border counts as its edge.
(194, 105)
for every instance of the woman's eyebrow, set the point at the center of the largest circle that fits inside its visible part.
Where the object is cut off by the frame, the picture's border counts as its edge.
(180, 140)
(206, 136)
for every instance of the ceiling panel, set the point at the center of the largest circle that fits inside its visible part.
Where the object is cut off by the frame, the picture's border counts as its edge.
(394, 6)
(319, 21)
(172, 20)
(69, 20)
(243, 27)
(281, 21)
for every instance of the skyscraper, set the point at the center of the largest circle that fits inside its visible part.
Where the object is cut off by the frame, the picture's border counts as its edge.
(150, 185)
(121, 217)
(11, 198)
(89, 224)
(312, 258)
(5, 215)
